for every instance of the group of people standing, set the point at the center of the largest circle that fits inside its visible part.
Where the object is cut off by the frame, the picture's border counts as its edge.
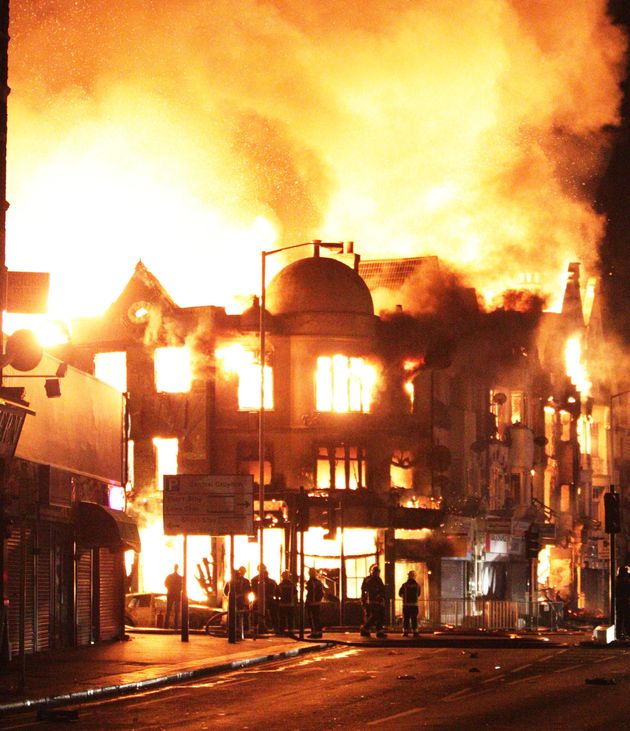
(374, 600)
(281, 601)
(280, 598)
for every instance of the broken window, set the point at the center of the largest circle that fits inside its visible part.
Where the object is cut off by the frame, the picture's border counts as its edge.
(173, 372)
(166, 458)
(245, 363)
(400, 469)
(112, 368)
(340, 467)
(518, 407)
(249, 464)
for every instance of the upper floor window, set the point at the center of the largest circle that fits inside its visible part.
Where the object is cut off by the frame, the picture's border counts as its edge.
(340, 467)
(344, 384)
(246, 365)
(518, 407)
(112, 368)
(166, 451)
(173, 373)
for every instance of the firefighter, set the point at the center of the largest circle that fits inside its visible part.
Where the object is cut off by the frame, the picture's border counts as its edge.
(314, 596)
(410, 593)
(271, 589)
(286, 596)
(373, 598)
(242, 587)
(173, 583)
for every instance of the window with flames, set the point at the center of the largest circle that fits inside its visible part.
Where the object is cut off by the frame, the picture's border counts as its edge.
(344, 384)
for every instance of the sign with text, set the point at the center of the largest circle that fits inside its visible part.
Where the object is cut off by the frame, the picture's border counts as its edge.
(208, 505)
(27, 292)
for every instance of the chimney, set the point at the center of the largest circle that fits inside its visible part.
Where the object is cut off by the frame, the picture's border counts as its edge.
(572, 300)
(347, 256)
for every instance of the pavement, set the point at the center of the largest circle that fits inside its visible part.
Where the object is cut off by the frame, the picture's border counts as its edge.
(150, 659)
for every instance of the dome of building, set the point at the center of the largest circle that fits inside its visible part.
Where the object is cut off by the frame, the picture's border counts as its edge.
(318, 284)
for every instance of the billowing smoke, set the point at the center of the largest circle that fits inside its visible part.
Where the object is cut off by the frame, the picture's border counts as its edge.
(193, 134)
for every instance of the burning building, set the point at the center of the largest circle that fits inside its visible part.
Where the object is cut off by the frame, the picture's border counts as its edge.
(438, 438)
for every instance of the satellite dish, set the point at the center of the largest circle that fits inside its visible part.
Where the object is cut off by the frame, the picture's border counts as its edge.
(23, 350)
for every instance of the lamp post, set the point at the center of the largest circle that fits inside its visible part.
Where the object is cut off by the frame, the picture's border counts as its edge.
(261, 411)
(613, 536)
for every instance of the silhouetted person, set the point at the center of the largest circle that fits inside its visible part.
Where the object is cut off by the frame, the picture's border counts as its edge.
(314, 596)
(286, 595)
(410, 593)
(271, 615)
(373, 598)
(241, 586)
(173, 584)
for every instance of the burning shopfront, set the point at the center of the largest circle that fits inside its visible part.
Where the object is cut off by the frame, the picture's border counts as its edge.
(420, 441)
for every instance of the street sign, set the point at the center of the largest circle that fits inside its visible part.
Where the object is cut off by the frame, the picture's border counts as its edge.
(208, 505)
(27, 292)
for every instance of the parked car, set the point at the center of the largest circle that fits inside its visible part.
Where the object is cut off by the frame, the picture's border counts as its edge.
(149, 610)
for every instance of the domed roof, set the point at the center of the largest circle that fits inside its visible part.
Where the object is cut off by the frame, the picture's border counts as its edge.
(318, 284)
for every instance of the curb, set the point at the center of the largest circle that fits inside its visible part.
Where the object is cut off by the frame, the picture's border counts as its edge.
(455, 643)
(181, 676)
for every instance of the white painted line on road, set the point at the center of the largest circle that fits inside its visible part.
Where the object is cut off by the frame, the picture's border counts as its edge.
(605, 659)
(522, 667)
(522, 680)
(492, 680)
(569, 667)
(456, 695)
(553, 654)
(385, 719)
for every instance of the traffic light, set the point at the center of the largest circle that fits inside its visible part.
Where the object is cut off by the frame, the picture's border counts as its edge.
(532, 542)
(329, 521)
(612, 512)
(301, 511)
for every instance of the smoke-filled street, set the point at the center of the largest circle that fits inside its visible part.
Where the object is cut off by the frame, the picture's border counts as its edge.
(405, 688)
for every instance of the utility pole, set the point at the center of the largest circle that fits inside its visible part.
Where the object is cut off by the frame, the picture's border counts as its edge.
(5, 654)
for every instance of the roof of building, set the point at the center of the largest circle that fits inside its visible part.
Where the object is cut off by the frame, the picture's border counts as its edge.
(318, 284)
(393, 273)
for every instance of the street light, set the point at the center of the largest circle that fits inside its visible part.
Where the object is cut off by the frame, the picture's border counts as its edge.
(612, 431)
(261, 411)
(613, 536)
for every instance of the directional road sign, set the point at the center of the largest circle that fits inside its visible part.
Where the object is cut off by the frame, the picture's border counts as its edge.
(208, 505)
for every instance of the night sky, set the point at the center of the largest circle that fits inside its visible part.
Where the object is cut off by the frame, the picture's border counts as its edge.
(614, 201)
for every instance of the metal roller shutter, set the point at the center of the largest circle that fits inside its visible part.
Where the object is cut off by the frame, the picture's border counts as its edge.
(84, 597)
(43, 588)
(109, 594)
(13, 590)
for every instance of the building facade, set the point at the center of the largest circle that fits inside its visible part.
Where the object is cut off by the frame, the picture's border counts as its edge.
(438, 442)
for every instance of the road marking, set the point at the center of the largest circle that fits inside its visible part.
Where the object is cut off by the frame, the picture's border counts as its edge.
(492, 680)
(569, 667)
(522, 667)
(456, 695)
(522, 680)
(410, 712)
(605, 659)
(553, 654)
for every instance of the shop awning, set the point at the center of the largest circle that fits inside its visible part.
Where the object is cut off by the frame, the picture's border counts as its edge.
(101, 527)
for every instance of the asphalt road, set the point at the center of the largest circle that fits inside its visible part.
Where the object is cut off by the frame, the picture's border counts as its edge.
(352, 688)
